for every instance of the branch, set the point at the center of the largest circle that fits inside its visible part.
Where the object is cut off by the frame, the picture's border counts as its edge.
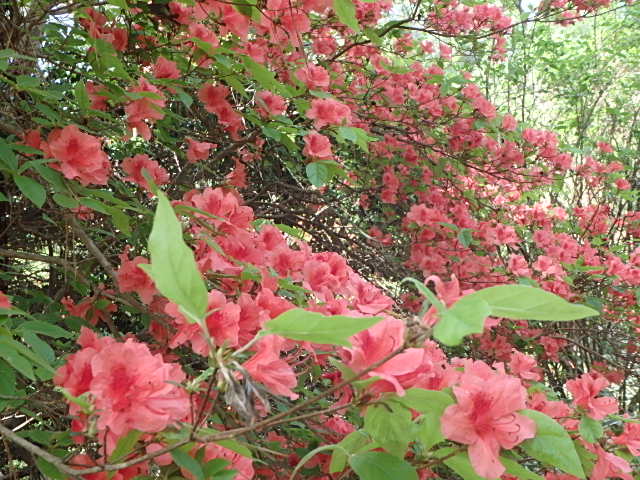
(93, 248)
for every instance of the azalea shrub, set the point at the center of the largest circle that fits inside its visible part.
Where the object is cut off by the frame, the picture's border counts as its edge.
(298, 240)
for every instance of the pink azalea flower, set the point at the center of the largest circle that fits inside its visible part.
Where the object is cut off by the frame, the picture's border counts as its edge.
(134, 389)
(485, 416)
(164, 68)
(609, 465)
(198, 150)
(131, 278)
(524, 366)
(268, 368)
(98, 101)
(4, 301)
(79, 155)
(270, 104)
(242, 465)
(584, 390)
(630, 438)
(327, 111)
(133, 167)
(317, 145)
(314, 77)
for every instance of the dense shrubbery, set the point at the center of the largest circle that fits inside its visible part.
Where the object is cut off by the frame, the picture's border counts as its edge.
(213, 218)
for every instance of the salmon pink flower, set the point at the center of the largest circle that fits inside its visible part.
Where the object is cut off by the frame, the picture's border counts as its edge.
(4, 301)
(164, 68)
(327, 111)
(630, 438)
(317, 145)
(584, 390)
(133, 167)
(268, 368)
(486, 418)
(98, 101)
(133, 389)
(609, 465)
(198, 150)
(270, 104)
(314, 77)
(79, 155)
(132, 278)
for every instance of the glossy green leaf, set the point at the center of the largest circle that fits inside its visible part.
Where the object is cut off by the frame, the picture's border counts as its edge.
(432, 404)
(298, 324)
(346, 12)
(265, 77)
(426, 401)
(31, 189)
(390, 426)
(186, 461)
(347, 446)
(552, 444)
(81, 96)
(514, 468)
(65, 200)
(45, 328)
(322, 172)
(173, 266)
(459, 463)
(125, 446)
(10, 354)
(7, 156)
(465, 317)
(590, 429)
(521, 302)
(381, 466)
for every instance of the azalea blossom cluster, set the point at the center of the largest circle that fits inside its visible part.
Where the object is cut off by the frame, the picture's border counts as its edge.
(440, 174)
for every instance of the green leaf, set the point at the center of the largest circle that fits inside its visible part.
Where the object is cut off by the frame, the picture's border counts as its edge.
(10, 354)
(318, 174)
(184, 97)
(355, 135)
(322, 172)
(265, 77)
(49, 470)
(31, 189)
(41, 348)
(552, 444)
(465, 317)
(64, 200)
(520, 302)
(459, 463)
(45, 328)
(432, 404)
(590, 429)
(390, 426)
(514, 468)
(426, 401)
(309, 456)
(235, 446)
(428, 294)
(214, 466)
(7, 156)
(464, 237)
(186, 461)
(381, 466)
(173, 267)
(346, 12)
(347, 446)
(298, 324)
(82, 97)
(125, 446)
(121, 221)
